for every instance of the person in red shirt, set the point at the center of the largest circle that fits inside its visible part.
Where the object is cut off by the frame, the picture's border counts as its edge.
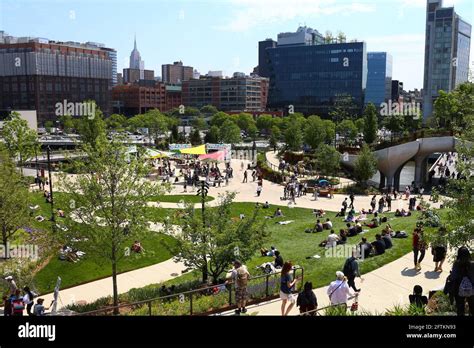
(419, 247)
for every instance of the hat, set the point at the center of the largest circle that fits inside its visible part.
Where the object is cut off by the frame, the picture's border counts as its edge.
(9, 278)
(339, 275)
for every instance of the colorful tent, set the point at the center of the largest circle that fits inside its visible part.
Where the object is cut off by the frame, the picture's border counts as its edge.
(217, 156)
(154, 154)
(198, 150)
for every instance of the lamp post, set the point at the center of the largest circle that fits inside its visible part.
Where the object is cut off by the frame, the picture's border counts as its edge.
(53, 219)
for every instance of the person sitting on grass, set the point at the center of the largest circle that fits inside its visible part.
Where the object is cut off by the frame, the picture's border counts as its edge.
(365, 248)
(342, 212)
(417, 299)
(387, 239)
(278, 263)
(342, 237)
(358, 227)
(375, 221)
(351, 230)
(278, 213)
(328, 224)
(266, 252)
(379, 245)
(137, 247)
(319, 213)
(266, 205)
(318, 227)
(331, 241)
(61, 213)
(350, 217)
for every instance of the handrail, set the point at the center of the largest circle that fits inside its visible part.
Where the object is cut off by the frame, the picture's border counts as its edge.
(189, 292)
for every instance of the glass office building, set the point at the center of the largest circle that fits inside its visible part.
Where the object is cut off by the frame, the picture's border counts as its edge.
(312, 77)
(447, 48)
(379, 78)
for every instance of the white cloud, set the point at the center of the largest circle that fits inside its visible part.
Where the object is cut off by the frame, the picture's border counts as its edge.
(249, 14)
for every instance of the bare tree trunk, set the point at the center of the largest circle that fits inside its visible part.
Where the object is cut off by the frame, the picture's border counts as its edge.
(114, 282)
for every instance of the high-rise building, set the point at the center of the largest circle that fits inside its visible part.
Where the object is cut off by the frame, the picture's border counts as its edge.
(379, 78)
(309, 76)
(263, 60)
(37, 73)
(136, 75)
(238, 93)
(136, 61)
(447, 48)
(397, 90)
(176, 73)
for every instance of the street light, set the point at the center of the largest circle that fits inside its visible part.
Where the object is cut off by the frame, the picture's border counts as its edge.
(53, 219)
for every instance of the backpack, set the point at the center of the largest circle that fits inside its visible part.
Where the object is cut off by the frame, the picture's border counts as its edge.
(348, 270)
(242, 277)
(465, 288)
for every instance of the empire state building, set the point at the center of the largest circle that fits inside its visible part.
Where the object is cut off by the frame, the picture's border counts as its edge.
(136, 61)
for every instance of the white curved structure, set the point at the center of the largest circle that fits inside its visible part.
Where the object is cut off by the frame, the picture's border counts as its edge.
(390, 161)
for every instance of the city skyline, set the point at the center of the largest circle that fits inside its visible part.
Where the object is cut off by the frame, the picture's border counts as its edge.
(238, 27)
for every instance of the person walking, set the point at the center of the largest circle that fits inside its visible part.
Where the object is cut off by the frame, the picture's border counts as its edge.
(245, 177)
(307, 301)
(28, 299)
(389, 202)
(439, 255)
(259, 190)
(240, 276)
(462, 281)
(351, 271)
(373, 203)
(352, 197)
(419, 247)
(287, 284)
(339, 291)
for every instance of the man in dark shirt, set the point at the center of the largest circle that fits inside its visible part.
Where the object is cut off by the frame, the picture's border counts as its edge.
(278, 260)
(351, 230)
(387, 240)
(365, 248)
(318, 227)
(379, 245)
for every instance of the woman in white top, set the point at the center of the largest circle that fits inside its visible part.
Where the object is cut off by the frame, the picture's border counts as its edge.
(28, 299)
(339, 291)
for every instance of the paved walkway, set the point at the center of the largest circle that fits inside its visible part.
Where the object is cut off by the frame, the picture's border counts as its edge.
(382, 288)
(134, 279)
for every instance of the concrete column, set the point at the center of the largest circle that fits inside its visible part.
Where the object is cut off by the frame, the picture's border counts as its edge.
(420, 169)
(382, 180)
(390, 182)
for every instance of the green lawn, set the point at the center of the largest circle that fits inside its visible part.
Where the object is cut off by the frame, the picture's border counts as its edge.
(91, 268)
(295, 245)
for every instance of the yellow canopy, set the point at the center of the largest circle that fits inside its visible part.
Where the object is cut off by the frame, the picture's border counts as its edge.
(198, 150)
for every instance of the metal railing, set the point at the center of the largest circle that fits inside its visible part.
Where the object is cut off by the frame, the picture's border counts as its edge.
(259, 292)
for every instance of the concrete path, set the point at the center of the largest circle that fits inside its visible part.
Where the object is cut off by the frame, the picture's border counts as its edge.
(382, 288)
(134, 279)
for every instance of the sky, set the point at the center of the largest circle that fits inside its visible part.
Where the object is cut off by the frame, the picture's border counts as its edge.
(224, 34)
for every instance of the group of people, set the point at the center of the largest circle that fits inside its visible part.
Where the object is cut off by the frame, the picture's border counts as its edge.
(15, 302)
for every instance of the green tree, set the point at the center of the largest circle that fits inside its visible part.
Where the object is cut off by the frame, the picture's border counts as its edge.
(313, 133)
(252, 131)
(245, 121)
(90, 128)
(106, 208)
(209, 109)
(347, 129)
(157, 124)
(48, 125)
(14, 198)
(229, 133)
(210, 240)
(67, 123)
(360, 125)
(275, 136)
(394, 124)
(195, 137)
(371, 126)
(328, 160)
(459, 221)
(264, 123)
(212, 137)
(199, 123)
(294, 137)
(365, 165)
(116, 122)
(219, 118)
(21, 141)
